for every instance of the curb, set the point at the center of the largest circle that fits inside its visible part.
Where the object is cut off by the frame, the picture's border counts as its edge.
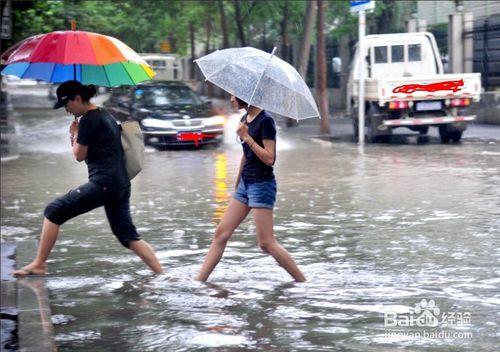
(35, 331)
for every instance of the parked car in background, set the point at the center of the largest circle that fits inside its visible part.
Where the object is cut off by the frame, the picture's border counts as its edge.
(170, 113)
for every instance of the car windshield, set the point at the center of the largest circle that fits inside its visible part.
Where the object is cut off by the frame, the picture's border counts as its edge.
(165, 96)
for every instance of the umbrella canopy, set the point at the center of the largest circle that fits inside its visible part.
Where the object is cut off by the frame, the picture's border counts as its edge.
(88, 57)
(260, 79)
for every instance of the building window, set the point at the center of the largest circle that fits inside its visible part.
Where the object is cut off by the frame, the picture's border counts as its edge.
(414, 52)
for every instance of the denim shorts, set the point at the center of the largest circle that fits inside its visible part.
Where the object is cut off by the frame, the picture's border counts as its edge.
(256, 194)
(91, 195)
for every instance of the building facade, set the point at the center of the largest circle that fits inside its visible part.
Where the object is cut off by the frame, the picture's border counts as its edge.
(437, 11)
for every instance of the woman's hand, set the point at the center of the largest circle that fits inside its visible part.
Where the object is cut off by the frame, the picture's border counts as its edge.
(73, 128)
(73, 131)
(242, 131)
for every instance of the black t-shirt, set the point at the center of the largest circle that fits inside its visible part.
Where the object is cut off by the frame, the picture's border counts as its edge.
(99, 131)
(262, 127)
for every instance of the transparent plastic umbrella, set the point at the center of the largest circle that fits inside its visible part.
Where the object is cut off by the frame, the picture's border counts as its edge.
(260, 79)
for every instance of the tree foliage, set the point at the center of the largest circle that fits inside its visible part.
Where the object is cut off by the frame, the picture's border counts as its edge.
(145, 24)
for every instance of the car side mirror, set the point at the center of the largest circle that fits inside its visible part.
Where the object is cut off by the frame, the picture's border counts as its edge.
(336, 65)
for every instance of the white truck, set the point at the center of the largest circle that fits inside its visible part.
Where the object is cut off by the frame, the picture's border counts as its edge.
(405, 86)
(168, 67)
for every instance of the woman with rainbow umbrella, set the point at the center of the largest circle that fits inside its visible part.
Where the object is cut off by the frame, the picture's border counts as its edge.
(80, 59)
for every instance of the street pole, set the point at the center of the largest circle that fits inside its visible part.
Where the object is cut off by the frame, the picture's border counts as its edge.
(361, 95)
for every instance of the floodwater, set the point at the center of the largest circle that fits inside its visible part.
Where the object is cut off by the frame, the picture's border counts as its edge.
(375, 231)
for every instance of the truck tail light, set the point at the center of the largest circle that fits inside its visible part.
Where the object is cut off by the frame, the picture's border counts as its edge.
(398, 105)
(460, 102)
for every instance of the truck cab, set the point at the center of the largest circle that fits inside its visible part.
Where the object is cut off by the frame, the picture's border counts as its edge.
(399, 55)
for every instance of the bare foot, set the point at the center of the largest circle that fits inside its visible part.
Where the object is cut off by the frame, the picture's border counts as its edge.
(32, 269)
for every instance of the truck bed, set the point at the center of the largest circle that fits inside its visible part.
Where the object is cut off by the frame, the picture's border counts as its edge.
(435, 87)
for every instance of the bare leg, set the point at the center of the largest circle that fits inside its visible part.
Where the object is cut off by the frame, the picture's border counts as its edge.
(263, 219)
(146, 253)
(48, 238)
(236, 212)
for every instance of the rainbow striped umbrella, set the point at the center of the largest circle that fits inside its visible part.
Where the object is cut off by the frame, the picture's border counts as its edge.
(87, 57)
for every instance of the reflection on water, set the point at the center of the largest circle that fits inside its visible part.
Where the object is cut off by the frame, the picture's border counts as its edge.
(373, 231)
(221, 195)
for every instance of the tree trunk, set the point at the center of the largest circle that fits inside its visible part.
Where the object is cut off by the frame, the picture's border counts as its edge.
(191, 39)
(263, 42)
(173, 43)
(345, 57)
(321, 90)
(225, 38)
(285, 45)
(208, 28)
(305, 45)
(385, 20)
(239, 23)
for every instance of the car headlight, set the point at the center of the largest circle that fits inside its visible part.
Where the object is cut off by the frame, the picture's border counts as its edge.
(149, 122)
(216, 120)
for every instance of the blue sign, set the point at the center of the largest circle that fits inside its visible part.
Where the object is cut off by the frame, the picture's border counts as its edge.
(362, 5)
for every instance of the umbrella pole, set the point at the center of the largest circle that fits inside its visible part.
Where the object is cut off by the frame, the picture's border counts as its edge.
(73, 28)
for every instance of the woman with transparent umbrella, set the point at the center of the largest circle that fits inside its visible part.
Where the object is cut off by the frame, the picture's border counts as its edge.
(255, 190)
(259, 82)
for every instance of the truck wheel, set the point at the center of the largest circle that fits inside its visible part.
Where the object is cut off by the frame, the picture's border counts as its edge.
(384, 139)
(354, 120)
(372, 137)
(373, 119)
(444, 134)
(369, 135)
(455, 136)
(423, 130)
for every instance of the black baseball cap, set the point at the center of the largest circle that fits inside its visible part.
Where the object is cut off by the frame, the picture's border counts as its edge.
(66, 92)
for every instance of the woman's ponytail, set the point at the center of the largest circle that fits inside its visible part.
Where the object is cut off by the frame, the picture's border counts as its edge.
(89, 91)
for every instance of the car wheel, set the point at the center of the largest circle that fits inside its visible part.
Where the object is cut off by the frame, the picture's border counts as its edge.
(213, 145)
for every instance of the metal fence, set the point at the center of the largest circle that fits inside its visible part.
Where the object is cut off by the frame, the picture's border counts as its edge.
(486, 57)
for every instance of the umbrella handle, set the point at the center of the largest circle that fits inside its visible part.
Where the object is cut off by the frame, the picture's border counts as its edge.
(238, 138)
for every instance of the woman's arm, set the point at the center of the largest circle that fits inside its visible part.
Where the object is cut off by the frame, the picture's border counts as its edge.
(265, 154)
(79, 150)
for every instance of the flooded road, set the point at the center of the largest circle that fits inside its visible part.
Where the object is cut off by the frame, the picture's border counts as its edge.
(375, 232)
